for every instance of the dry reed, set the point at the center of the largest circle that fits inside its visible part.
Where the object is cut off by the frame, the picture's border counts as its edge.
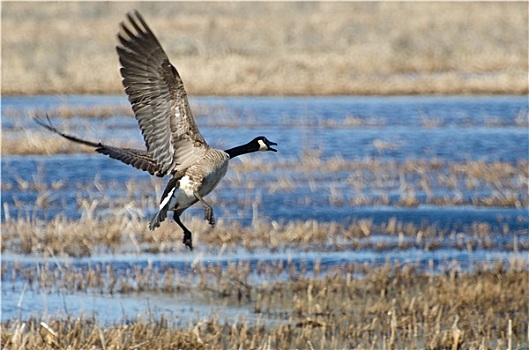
(25, 143)
(126, 232)
(390, 307)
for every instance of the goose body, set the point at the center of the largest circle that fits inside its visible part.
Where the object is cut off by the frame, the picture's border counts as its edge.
(195, 182)
(201, 177)
(174, 145)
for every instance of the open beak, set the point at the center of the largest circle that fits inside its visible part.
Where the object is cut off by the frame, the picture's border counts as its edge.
(272, 144)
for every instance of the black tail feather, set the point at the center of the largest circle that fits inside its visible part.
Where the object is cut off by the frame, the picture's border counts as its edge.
(137, 158)
(158, 218)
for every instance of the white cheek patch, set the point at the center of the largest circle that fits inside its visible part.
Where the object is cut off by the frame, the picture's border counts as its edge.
(262, 145)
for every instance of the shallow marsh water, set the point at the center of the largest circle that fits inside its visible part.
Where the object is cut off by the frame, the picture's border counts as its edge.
(387, 130)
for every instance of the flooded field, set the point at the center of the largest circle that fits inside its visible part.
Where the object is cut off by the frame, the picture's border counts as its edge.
(365, 193)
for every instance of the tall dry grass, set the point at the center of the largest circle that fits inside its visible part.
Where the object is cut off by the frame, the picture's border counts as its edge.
(125, 231)
(275, 48)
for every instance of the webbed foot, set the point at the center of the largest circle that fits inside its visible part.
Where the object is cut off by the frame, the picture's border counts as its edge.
(188, 240)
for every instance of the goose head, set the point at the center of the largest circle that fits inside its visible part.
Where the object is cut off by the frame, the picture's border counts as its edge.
(264, 144)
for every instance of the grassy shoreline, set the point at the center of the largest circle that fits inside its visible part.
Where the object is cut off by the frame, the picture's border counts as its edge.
(275, 48)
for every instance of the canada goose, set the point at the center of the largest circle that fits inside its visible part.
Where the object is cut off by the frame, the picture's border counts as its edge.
(173, 141)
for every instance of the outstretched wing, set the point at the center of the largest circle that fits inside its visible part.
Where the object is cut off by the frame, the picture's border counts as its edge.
(137, 158)
(158, 98)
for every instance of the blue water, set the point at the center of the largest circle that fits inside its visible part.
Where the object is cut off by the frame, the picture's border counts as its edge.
(468, 128)
(448, 129)
(294, 123)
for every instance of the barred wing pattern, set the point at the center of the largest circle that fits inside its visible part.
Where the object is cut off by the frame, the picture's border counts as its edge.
(139, 159)
(158, 99)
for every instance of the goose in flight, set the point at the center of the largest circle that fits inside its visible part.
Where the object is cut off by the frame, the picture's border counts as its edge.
(174, 145)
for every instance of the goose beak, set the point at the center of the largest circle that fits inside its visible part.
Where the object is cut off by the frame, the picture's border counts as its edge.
(270, 143)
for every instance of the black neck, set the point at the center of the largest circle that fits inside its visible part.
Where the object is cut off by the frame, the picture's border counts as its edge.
(243, 149)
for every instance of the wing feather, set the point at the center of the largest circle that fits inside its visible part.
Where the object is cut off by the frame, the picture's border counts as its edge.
(137, 158)
(158, 98)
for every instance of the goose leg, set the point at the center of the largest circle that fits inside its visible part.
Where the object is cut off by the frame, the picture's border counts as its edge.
(188, 240)
(209, 210)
